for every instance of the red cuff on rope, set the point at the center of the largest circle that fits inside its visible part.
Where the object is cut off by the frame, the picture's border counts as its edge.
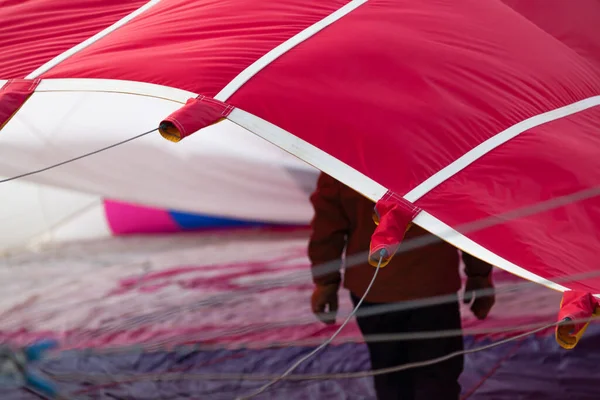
(196, 114)
(13, 95)
(393, 215)
(578, 307)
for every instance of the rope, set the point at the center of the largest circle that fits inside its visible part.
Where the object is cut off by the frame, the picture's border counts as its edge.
(375, 310)
(158, 377)
(379, 338)
(419, 242)
(324, 344)
(77, 158)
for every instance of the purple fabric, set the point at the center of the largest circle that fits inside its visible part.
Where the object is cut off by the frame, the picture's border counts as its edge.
(534, 368)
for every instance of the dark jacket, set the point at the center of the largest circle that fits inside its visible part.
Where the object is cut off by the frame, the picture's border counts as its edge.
(344, 220)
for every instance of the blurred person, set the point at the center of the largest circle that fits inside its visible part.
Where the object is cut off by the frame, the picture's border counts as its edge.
(343, 224)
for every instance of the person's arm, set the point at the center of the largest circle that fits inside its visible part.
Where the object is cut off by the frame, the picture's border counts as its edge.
(330, 228)
(479, 289)
(475, 268)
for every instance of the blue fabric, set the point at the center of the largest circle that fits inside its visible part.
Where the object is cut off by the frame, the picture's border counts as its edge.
(196, 221)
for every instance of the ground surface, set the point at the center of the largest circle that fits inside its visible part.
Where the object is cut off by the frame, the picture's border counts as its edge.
(236, 294)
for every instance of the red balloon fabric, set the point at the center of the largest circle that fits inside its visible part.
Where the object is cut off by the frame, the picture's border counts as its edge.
(484, 115)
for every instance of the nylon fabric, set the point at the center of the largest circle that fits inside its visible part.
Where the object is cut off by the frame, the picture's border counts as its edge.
(411, 112)
(34, 32)
(170, 290)
(13, 95)
(575, 306)
(574, 24)
(398, 117)
(557, 187)
(196, 114)
(393, 216)
(161, 46)
(507, 372)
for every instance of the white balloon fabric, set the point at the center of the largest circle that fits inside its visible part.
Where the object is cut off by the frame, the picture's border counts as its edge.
(228, 174)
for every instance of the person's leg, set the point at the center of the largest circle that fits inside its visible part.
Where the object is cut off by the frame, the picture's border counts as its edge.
(438, 381)
(395, 386)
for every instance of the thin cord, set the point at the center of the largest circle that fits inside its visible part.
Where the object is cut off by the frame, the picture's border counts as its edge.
(298, 377)
(324, 344)
(77, 158)
(378, 338)
(158, 346)
(375, 310)
(469, 227)
(541, 207)
(437, 360)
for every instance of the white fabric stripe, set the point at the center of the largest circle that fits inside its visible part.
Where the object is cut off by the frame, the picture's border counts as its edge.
(371, 189)
(284, 47)
(495, 141)
(2, 83)
(62, 57)
(308, 153)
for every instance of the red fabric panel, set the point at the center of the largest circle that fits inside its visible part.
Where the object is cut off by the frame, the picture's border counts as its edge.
(397, 89)
(575, 23)
(552, 240)
(195, 45)
(197, 113)
(400, 89)
(34, 32)
(393, 215)
(12, 96)
(577, 306)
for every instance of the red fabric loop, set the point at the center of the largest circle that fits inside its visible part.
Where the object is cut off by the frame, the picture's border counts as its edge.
(393, 215)
(577, 306)
(13, 95)
(196, 114)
